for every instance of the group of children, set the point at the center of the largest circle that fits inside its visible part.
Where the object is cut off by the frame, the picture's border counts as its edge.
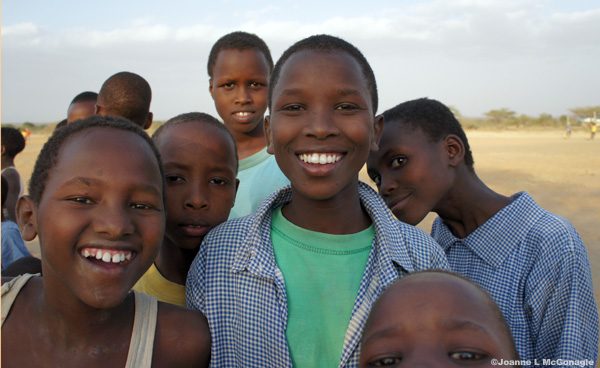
(261, 227)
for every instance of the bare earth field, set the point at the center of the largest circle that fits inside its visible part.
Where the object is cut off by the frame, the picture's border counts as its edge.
(563, 175)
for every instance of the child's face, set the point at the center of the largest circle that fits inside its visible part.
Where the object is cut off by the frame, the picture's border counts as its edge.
(432, 322)
(103, 199)
(239, 87)
(322, 124)
(410, 171)
(200, 169)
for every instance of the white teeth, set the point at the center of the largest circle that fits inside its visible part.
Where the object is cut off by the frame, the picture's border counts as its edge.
(106, 257)
(116, 258)
(86, 253)
(99, 254)
(320, 158)
(127, 256)
(121, 257)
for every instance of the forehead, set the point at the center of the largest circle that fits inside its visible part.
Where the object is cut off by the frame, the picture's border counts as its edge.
(188, 138)
(106, 149)
(240, 60)
(321, 67)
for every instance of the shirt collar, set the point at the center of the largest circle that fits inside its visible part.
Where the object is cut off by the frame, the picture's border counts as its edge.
(256, 254)
(495, 239)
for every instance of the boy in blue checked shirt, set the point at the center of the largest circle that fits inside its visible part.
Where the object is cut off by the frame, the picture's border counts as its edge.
(293, 283)
(532, 262)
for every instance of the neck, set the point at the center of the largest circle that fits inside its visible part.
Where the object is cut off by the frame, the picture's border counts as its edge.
(342, 214)
(7, 162)
(469, 204)
(68, 322)
(251, 142)
(174, 262)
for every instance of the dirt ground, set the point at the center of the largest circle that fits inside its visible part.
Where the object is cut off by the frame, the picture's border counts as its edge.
(563, 175)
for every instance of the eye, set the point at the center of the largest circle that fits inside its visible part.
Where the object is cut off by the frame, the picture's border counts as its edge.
(292, 108)
(142, 206)
(376, 178)
(219, 181)
(228, 85)
(255, 85)
(173, 179)
(399, 161)
(81, 200)
(467, 355)
(347, 107)
(385, 362)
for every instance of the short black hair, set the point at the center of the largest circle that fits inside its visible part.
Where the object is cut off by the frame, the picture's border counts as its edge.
(434, 118)
(85, 97)
(238, 41)
(327, 43)
(127, 95)
(201, 118)
(48, 156)
(13, 141)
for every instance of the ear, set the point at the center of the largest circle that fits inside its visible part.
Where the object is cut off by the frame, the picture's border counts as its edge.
(3, 150)
(267, 129)
(455, 149)
(98, 110)
(27, 218)
(149, 118)
(377, 131)
(210, 88)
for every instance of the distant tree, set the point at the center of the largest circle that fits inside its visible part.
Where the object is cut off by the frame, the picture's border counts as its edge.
(585, 112)
(502, 115)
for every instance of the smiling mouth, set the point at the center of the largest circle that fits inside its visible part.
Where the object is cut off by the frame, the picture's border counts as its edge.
(194, 230)
(108, 256)
(320, 158)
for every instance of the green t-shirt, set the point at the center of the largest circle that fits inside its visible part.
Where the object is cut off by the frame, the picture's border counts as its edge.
(322, 274)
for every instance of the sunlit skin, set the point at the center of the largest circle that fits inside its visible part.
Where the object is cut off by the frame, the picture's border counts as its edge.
(434, 320)
(80, 110)
(322, 105)
(416, 175)
(200, 171)
(104, 193)
(239, 88)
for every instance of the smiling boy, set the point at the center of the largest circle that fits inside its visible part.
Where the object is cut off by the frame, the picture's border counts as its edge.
(292, 284)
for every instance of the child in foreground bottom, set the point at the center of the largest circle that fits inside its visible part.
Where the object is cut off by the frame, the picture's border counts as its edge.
(436, 319)
(96, 202)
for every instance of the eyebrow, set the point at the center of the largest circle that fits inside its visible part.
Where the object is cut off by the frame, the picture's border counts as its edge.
(88, 182)
(454, 324)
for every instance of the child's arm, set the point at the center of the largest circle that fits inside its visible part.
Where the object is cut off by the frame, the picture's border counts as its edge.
(182, 338)
(560, 296)
(14, 189)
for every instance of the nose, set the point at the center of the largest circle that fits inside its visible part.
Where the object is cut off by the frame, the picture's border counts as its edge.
(386, 185)
(197, 198)
(321, 125)
(114, 221)
(242, 95)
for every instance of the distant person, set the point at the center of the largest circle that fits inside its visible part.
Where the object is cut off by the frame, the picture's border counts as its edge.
(568, 129)
(435, 319)
(96, 202)
(13, 143)
(13, 246)
(127, 95)
(239, 66)
(200, 164)
(593, 130)
(532, 262)
(82, 106)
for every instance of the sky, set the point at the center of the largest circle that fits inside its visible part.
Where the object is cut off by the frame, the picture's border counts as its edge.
(530, 56)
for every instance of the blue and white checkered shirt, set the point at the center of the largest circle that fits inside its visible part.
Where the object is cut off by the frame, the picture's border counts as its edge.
(536, 268)
(236, 283)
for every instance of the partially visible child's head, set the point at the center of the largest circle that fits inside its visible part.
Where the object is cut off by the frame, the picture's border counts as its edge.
(83, 106)
(13, 142)
(239, 66)
(322, 123)
(127, 95)
(200, 163)
(435, 318)
(421, 146)
(96, 203)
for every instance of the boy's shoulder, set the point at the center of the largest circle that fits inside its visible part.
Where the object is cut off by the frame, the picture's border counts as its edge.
(182, 338)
